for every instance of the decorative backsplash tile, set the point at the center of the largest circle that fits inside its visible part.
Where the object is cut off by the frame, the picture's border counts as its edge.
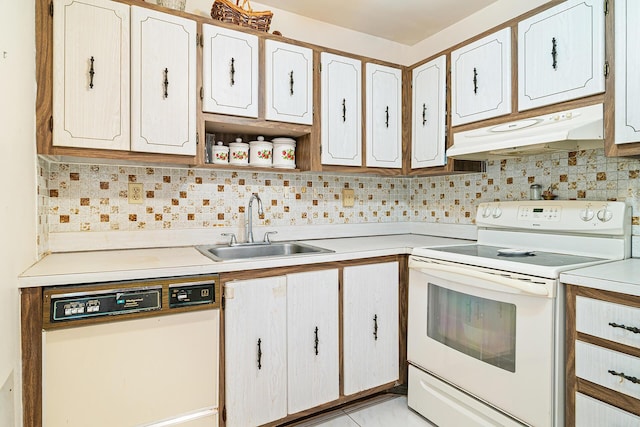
(92, 197)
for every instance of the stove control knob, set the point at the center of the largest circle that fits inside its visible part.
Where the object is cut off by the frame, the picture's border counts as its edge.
(486, 212)
(497, 212)
(605, 214)
(587, 214)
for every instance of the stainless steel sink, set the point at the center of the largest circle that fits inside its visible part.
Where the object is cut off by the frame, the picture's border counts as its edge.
(249, 251)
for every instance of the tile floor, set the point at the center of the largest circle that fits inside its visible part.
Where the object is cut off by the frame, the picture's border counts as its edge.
(383, 411)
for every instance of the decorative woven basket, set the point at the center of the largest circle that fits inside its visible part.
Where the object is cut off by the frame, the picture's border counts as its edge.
(243, 15)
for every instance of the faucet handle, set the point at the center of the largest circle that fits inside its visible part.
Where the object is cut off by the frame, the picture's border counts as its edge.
(266, 236)
(233, 241)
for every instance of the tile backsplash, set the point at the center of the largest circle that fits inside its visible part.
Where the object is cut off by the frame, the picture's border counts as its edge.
(94, 197)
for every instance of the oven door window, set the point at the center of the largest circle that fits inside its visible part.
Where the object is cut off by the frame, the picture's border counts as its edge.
(482, 328)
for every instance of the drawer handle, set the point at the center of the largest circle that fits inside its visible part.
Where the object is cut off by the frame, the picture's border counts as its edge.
(554, 53)
(628, 328)
(91, 74)
(424, 114)
(387, 115)
(375, 327)
(166, 83)
(623, 376)
(291, 83)
(317, 341)
(475, 81)
(344, 110)
(259, 353)
(233, 71)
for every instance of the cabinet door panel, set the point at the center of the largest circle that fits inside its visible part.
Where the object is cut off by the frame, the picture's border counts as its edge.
(384, 116)
(256, 385)
(627, 70)
(594, 413)
(481, 79)
(312, 334)
(163, 83)
(230, 72)
(341, 110)
(289, 83)
(561, 54)
(429, 114)
(370, 326)
(91, 74)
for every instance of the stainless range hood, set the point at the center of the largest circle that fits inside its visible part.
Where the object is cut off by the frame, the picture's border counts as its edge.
(577, 129)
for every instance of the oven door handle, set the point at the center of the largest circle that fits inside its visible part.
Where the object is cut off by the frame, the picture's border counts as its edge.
(522, 286)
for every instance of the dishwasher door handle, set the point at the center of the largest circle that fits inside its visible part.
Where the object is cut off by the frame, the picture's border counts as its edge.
(431, 268)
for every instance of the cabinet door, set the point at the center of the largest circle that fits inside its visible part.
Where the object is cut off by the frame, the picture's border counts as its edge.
(627, 70)
(429, 114)
(289, 83)
(481, 79)
(384, 116)
(341, 79)
(370, 326)
(255, 351)
(163, 83)
(561, 54)
(230, 72)
(91, 74)
(312, 334)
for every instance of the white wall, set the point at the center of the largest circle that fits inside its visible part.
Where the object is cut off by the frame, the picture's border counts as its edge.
(17, 174)
(495, 14)
(320, 33)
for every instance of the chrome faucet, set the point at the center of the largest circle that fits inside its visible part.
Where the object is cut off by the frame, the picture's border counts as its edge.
(249, 220)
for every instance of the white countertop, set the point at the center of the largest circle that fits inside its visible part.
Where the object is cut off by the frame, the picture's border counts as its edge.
(130, 264)
(619, 276)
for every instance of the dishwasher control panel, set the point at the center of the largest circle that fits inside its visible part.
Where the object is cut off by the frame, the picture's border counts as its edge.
(183, 294)
(111, 302)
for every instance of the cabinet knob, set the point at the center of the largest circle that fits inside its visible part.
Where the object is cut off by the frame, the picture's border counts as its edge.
(554, 53)
(259, 353)
(387, 116)
(475, 81)
(375, 327)
(424, 114)
(291, 83)
(344, 110)
(316, 341)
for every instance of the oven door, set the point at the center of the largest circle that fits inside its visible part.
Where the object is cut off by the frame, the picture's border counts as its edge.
(487, 332)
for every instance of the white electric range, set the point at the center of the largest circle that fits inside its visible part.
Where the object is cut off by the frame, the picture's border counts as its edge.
(486, 320)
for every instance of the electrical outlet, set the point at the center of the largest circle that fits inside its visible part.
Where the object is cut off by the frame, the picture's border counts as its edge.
(136, 194)
(348, 197)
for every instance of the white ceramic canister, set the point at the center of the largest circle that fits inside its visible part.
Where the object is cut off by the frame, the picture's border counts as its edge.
(260, 153)
(238, 152)
(284, 153)
(220, 154)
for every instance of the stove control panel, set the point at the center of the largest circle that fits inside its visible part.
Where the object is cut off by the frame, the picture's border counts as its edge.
(591, 217)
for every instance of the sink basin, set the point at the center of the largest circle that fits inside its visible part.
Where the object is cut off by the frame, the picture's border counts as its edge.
(277, 249)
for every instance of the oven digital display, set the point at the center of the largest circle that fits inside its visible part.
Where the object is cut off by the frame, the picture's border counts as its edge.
(538, 210)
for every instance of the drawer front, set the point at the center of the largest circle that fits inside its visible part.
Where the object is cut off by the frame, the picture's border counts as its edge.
(591, 412)
(603, 319)
(593, 363)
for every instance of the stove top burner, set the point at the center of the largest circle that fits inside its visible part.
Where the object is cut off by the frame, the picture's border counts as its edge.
(544, 259)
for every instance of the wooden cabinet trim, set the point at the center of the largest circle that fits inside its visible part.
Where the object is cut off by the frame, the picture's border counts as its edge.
(31, 342)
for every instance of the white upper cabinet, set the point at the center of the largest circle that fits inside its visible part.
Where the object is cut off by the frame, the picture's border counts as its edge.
(370, 326)
(627, 71)
(429, 114)
(289, 83)
(230, 72)
(255, 351)
(561, 54)
(341, 98)
(91, 74)
(163, 83)
(383, 116)
(481, 79)
(312, 334)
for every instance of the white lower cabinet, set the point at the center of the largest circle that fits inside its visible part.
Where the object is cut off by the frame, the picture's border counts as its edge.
(255, 351)
(312, 335)
(370, 326)
(281, 346)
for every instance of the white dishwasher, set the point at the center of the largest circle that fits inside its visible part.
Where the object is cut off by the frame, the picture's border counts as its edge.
(138, 353)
